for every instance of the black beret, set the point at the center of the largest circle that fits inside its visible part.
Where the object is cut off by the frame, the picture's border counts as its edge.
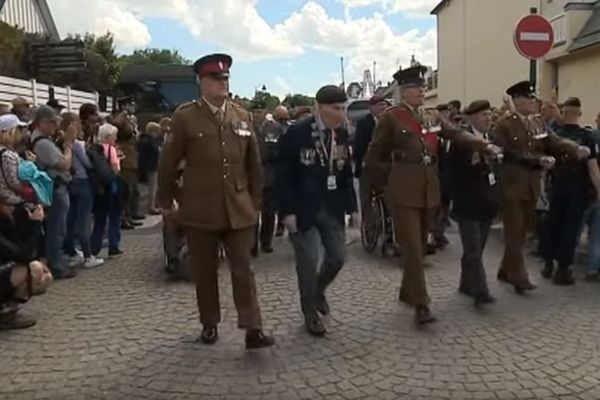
(521, 89)
(478, 106)
(217, 64)
(413, 76)
(331, 94)
(572, 102)
(442, 107)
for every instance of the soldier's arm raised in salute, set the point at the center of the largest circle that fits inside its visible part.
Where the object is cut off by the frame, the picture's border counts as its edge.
(173, 152)
(378, 158)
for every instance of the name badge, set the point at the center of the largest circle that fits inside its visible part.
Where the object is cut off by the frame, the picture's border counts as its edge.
(492, 178)
(331, 182)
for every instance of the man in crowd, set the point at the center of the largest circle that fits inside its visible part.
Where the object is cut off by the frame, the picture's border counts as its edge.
(20, 107)
(362, 138)
(569, 196)
(55, 104)
(268, 139)
(527, 147)
(475, 196)
(4, 109)
(402, 161)
(317, 192)
(57, 163)
(220, 196)
(454, 107)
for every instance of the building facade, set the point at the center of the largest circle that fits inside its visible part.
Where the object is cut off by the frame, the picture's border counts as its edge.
(572, 68)
(33, 16)
(477, 58)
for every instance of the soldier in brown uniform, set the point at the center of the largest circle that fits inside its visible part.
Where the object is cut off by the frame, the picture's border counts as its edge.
(221, 196)
(402, 161)
(527, 147)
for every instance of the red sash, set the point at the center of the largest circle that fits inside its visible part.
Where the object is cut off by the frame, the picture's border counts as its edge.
(430, 139)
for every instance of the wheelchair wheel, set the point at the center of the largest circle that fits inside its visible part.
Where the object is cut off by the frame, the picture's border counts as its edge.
(372, 224)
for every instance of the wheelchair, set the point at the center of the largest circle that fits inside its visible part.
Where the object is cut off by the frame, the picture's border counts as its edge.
(377, 226)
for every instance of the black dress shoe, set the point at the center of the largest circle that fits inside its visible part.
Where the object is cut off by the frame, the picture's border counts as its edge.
(127, 226)
(503, 277)
(323, 306)
(210, 335)
(256, 339)
(267, 249)
(548, 270)
(481, 299)
(138, 217)
(315, 327)
(563, 277)
(423, 315)
(136, 223)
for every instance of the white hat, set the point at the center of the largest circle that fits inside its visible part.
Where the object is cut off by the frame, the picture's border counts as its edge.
(10, 121)
(106, 130)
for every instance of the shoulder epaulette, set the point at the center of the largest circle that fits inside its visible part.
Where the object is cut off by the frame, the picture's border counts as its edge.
(186, 105)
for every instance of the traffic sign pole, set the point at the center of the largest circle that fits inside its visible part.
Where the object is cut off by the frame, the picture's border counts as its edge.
(533, 63)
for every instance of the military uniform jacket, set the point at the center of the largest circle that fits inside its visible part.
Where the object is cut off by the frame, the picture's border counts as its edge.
(222, 177)
(523, 149)
(401, 160)
(304, 170)
(472, 174)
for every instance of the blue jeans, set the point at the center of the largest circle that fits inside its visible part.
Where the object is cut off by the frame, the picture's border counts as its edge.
(107, 209)
(56, 226)
(78, 220)
(312, 282)
(592, 216)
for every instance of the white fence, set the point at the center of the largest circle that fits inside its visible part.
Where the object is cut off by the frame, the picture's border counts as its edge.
(38, 93)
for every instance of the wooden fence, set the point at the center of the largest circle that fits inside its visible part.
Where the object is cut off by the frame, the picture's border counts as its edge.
(38, 93)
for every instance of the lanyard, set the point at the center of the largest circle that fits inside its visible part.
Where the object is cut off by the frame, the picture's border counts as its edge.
(330, 155)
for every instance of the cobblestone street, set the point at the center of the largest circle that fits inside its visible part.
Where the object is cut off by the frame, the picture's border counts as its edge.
(123, 332)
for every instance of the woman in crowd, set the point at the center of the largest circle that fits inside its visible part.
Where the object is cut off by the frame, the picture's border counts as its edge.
(107, 205)
(149, 151)
(10, 135)
(81, 199)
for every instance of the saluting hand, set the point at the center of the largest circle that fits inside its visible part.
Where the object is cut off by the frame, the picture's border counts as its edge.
(547, 162)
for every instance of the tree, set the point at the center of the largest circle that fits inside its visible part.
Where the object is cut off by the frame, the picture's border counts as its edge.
(297, 100)
(154, 57)
(264, 100)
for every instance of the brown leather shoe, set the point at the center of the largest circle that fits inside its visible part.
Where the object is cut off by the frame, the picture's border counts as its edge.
(210, 335)
(256, 339)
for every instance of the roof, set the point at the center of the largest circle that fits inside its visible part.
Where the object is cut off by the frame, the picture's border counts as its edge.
(590, 34)
(440, 5)
(143, 73)
(45, 15)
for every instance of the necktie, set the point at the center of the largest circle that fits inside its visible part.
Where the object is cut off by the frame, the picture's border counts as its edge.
(220, 116)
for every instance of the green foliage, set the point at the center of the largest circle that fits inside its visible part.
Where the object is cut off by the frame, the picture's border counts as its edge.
(298, 100)
(13, 51)
(154, 57)
(264, 100)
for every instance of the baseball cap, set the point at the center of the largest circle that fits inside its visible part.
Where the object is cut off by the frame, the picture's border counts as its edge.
(10, 121)
(45, 112)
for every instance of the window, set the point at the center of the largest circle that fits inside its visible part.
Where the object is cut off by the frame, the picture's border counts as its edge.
(559, 24)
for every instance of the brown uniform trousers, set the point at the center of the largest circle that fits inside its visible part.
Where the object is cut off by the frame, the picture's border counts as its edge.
(221, 193)
(394, 164)
(524, 143)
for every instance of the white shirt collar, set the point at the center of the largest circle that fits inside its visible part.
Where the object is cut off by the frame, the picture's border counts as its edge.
(214, 108)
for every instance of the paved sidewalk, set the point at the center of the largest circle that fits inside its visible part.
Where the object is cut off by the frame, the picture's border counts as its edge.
(123, 332)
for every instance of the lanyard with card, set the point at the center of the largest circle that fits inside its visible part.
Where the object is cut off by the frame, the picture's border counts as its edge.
(331, 178)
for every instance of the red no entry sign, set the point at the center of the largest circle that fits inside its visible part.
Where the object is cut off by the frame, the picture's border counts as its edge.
(534, 36)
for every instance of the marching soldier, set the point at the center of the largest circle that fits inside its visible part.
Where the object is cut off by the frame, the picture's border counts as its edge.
(527, 147)
(402, 160)
(220, 196)
(317, 192)
(268, 139)
(475, 194)
(572, 183)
